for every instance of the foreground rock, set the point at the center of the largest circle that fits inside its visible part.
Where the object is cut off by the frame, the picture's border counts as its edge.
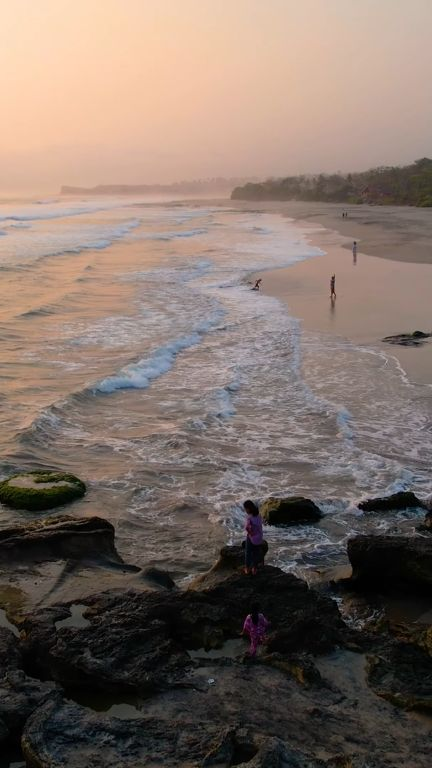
(387, 563)
(36, 491)
(290, 511)
(415, 339)
(10, 653)
(57, 538)
(19, 694)
(139, 641)
(181, 703)
(402, 674)
(58, 735)
(232, 714)
(401, 500)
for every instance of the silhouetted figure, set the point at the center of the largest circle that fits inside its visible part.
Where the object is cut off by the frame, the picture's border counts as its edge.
(257, 284)
(332, 287)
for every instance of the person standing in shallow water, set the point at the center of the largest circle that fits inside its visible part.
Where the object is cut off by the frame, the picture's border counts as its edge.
(333, 287)
(254, 537)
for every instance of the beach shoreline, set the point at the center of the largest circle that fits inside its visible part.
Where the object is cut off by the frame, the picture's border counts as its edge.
(397, 233)
(384, 291)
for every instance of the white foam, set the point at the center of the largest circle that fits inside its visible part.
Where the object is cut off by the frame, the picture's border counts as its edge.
(140, 375)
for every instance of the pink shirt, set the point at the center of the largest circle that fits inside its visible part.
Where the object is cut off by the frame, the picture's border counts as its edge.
(256, 631)
(254, 529)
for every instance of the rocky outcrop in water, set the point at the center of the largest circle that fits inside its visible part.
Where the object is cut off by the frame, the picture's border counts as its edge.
(290, 511)
(56, 538)
(40, 490)
(415, 339)
(401, 500)
(390, 563)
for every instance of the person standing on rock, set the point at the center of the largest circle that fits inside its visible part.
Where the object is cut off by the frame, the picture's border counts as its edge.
(254, 537)
(255, 625)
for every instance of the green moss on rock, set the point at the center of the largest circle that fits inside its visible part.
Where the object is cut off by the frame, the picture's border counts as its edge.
(39, 490)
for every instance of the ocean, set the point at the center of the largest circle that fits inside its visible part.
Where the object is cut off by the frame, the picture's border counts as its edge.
(134, 354)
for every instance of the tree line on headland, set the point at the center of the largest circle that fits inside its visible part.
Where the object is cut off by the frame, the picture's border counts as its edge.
(212, 186)
(392, 185)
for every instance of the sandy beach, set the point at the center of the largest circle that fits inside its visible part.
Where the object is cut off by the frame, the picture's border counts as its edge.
(391, 232)
(386, 290)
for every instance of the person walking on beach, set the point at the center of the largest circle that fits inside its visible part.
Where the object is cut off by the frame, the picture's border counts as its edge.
(354, 248)
(332, 287)
(254, 537)
(255, 626)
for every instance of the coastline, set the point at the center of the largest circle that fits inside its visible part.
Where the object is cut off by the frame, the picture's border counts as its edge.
(398, 233)
(378, 294)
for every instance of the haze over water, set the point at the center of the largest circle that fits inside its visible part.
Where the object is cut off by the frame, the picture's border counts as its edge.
(135, 354)
(107, 92)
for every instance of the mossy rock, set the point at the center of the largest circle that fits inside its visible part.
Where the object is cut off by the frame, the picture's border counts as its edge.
(290, 511)
(36, 491)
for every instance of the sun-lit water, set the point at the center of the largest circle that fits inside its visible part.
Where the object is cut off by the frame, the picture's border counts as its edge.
(135, 354)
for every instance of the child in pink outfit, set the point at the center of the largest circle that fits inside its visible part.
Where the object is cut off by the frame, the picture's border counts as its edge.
(255, 626)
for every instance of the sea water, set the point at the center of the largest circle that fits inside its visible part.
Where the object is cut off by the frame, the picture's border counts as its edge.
(135, 354)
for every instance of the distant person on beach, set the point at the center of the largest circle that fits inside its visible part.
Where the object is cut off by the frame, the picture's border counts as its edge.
(257, 284)
(254, 537)
(354, 248)
(255, 626)
(332, 287)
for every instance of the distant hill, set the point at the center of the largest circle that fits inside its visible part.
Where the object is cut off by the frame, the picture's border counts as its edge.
(198, 187)
(407, 185)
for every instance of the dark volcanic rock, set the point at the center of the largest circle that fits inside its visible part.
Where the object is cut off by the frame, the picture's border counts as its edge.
(128, 645)
(384, 563)
(138, 641)
(60, 733)
(10, 655)
(402, 674)
(401, 500)
(290, 511)
(426, 525)
(20, 696)
(61, 537)
(408, 339)
(157, 578)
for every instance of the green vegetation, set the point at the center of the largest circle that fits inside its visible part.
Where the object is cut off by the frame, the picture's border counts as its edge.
(409, 185)
(21, 491)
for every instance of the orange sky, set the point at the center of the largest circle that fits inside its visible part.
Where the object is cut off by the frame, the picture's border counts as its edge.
(100, 91)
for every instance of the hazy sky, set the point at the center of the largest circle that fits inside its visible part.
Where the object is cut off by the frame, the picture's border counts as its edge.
(141, 91)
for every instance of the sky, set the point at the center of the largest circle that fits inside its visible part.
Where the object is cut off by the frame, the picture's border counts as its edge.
(155, 91)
